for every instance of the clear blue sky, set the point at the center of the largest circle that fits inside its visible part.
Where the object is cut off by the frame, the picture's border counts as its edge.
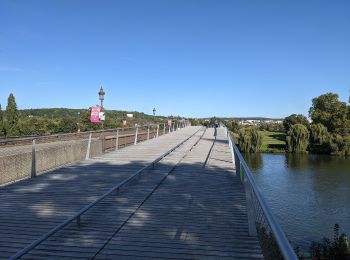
(183, 57)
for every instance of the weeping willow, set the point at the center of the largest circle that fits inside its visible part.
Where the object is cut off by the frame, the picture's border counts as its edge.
(250, 140)
(298, 138)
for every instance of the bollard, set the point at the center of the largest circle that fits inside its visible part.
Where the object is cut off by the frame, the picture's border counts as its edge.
(117, 140)
(137, 129)
(33, 172)
(157, 131)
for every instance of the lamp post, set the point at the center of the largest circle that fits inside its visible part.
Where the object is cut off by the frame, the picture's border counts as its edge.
(101, 96)
(154, 111)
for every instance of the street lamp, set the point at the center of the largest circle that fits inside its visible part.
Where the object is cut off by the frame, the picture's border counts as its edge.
(154, 111)
(101, 96)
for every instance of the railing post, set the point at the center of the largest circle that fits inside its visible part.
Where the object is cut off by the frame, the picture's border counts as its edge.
(148, 132)
(137, 129)
(33, 172)
(157, 131)
(117, 140)
(250, 208)
(88, 148)
(103, 142)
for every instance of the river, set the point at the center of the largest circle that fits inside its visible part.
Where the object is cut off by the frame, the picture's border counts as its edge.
(307, 193)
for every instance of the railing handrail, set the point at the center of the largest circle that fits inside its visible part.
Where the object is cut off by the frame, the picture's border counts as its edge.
(77, 215)
(281, 239)
(46, 136)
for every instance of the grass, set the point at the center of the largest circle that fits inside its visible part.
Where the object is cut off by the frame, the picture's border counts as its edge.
(273, 142)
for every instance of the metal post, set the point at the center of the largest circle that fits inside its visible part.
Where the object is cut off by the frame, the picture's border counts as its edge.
(103, 142)
(148, 132)
(164, 130)
(137, 129)
(251, 215)
(157, 131)
(117, 140)
(33, 173)
(88, 148)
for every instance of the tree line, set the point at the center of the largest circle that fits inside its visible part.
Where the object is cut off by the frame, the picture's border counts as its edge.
(327, 133)
(15, 122)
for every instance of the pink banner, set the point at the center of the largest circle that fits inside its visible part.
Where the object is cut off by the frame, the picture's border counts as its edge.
(95, 110)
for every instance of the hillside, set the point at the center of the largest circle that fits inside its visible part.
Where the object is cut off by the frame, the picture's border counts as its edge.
(58, 113)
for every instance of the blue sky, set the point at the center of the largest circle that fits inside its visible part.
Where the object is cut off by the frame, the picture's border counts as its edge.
(183, 57)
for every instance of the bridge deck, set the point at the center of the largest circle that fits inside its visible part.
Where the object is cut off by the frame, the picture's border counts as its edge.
(196, 211)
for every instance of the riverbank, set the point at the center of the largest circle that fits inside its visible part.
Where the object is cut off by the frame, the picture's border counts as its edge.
(273, 142)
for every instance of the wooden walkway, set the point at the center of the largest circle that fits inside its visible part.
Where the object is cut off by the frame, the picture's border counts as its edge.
(196, 210)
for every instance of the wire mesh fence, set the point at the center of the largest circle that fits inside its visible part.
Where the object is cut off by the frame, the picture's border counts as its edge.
(274, 244)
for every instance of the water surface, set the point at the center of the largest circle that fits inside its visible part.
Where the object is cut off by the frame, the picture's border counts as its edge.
(307, 193)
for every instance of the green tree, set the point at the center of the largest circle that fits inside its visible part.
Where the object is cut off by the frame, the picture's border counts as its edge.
(319, 139)
(194, 121)
(319, 134)
(250, 140)
(333, 114)
(298, 138)
(339, 248)
(1, 122)
(233, 126)
(67, 125)
(12, 115)
(340, 145)
(86, 124)
(295, 119)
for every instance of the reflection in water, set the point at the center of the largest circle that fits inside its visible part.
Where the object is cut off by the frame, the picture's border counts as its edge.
(254, 161)
(308, 193)
(296, 162)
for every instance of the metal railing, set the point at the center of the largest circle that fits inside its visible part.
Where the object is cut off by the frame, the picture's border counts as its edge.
(261, 221)
(29, 156)
(163, 128)
(77, 217)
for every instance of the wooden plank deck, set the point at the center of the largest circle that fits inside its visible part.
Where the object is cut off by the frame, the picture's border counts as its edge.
(31, 207)
(197, 211)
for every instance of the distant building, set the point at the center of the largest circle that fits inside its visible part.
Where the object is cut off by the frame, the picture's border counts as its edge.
(258, 122)
(129, 115)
